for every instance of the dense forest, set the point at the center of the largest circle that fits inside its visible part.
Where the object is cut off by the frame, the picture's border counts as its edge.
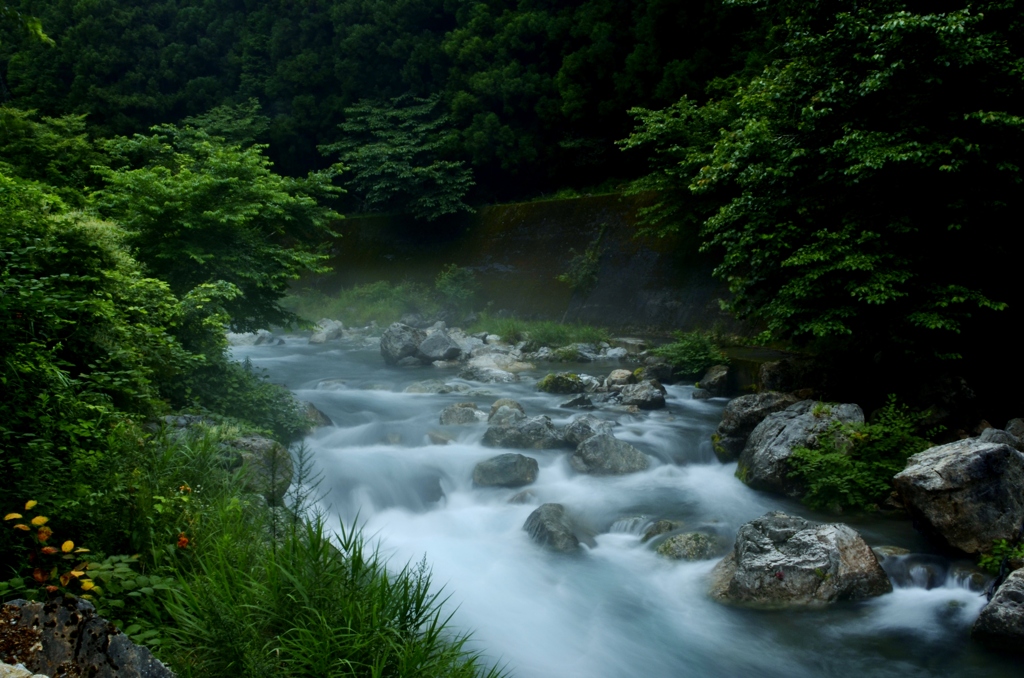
(168, 168)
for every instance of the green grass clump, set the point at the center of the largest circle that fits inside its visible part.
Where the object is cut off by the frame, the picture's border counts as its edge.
(692, 353)
(381, 301)
(544, 332)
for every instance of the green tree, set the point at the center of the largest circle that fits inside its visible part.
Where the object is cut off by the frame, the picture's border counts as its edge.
(396, 153)
(203, 211)
(845, 186)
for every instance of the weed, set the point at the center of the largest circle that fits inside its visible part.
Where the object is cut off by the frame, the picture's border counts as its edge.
(692, 353)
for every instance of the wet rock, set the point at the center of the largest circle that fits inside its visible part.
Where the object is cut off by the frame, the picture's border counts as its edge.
(781, 560)
(550, 526)
(576, 353)
(740, 418)
(656, 368)
(965, 494)
(330, 385)
(505, 402)
(701, 394)
(313, 415)
(326, 330)
(647, 395)
(535, 433)
(614, 354)
(264, 465)
(506, 416)
(399, 342)
(438, 347)
(488, 375)
(1000, 625)
(619, 378)
(584, 427)
(74, 641)
(603, 455)
(659, 528)
(435, 386)
(883, 552)
(439, 438)
(689, 546)
(1015, 427)
(468, 343)
(562, 382)
(506, 470)
(462, 414)
(524, 497)
(580, 402)
(995, 435)
(409, 361)
(715, 380)
(764, 463)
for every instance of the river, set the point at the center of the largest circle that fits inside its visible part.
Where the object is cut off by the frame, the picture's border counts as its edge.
(618, 609)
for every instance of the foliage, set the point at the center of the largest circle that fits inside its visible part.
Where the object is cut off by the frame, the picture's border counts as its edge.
(692, 353)
(457, 286)
(541, 332)
(581, 272)
(853, 465)
(381, 302)
(1002, 550)
(202, 211)
(396, 153)
(10, 17)
(45, 558)
(879, 127)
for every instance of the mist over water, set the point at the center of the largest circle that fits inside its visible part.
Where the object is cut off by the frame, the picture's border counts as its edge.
(617, 609)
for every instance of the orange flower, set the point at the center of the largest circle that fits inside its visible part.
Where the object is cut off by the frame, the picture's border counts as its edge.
(22, 527)
(50, 550)
(51, 588)
(185, 488)
(39, 575)
(182, 541)
(44, 533)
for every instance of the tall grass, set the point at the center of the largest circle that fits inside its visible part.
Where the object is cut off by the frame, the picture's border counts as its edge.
(380, 301)
(544, 332)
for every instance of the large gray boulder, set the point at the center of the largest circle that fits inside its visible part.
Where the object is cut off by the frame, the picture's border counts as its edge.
(549, 526)
(965, 494)
(535, 433)
(326, 330)
(764, 463)
(506, 470)
(604, 455)
(264, 465)
(995, 435)
(69, 639)
(461, 414)
(1000, 625)
(782, 560)
(488, 375)
(438, 346)
(586, 426)
(400, 341)
(740, 418)
(647, 395)
(313, 415)
(716, 380)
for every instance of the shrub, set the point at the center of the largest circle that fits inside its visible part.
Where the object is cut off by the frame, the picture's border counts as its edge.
(691, 353)
(854, 464)
(457, 286)
(381, 302)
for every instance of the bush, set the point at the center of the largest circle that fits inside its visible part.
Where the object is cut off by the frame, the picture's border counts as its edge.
(854, 464)
(692, 353)
(381, 302)
(457, 286)
(543, 332)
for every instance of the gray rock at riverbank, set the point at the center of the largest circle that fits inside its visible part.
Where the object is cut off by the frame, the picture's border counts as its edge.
(604, 455)
(716, 380)
(326, 330)
(461, 414)
(741, 417)
(438, 346)
(506, 470)
(782, 560)
(647, 395)
(550, 526)
(965, 493)
(264, 464)
(586, 426)
(764, 463)
(399, 342)
(535, 433)
(1000, 625)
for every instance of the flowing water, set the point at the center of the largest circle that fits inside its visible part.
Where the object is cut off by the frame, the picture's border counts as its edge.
(618, 609)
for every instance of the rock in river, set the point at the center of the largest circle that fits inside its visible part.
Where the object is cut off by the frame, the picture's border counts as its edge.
(586, 426)
(400, 341)
(647, 395)
(604, 455)
(549, 526)
(506, 470)
(782, 560)
(462, 413)
(740, 418)
(1001, 623)
(535, 433)
(689, 546)
(966, 493)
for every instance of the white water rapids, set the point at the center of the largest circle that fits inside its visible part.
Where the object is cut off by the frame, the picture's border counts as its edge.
(618, 609)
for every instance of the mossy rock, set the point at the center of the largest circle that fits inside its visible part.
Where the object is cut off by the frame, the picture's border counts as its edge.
(562, 382)
(689, 546)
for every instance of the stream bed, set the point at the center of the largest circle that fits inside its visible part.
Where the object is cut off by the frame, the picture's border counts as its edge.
(617, 609)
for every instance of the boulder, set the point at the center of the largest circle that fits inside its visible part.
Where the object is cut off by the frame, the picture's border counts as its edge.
(740, 418)
(715, 380)
(580, 402)
(995, 435)
(647, 395)
(701, 394)
(549, 526)
(69, 639)
(461, 414)
(562, 382)
(488, 375)
(576, 353)
(614, 353)
(435, 386)
(264, 465)
(326, 330)
(505, 402)
(399, 342)
(658, 528)
(1000, 625)
(764, 463)
(781, 560)
(657, 368)
(506, 416)
(603, 455)
(438, 346)
(314, 416)
(965, 493)
(689, 546)
(619, 378)
(506, 470)
(535, 433)
(1015, 427)
(585, 426)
